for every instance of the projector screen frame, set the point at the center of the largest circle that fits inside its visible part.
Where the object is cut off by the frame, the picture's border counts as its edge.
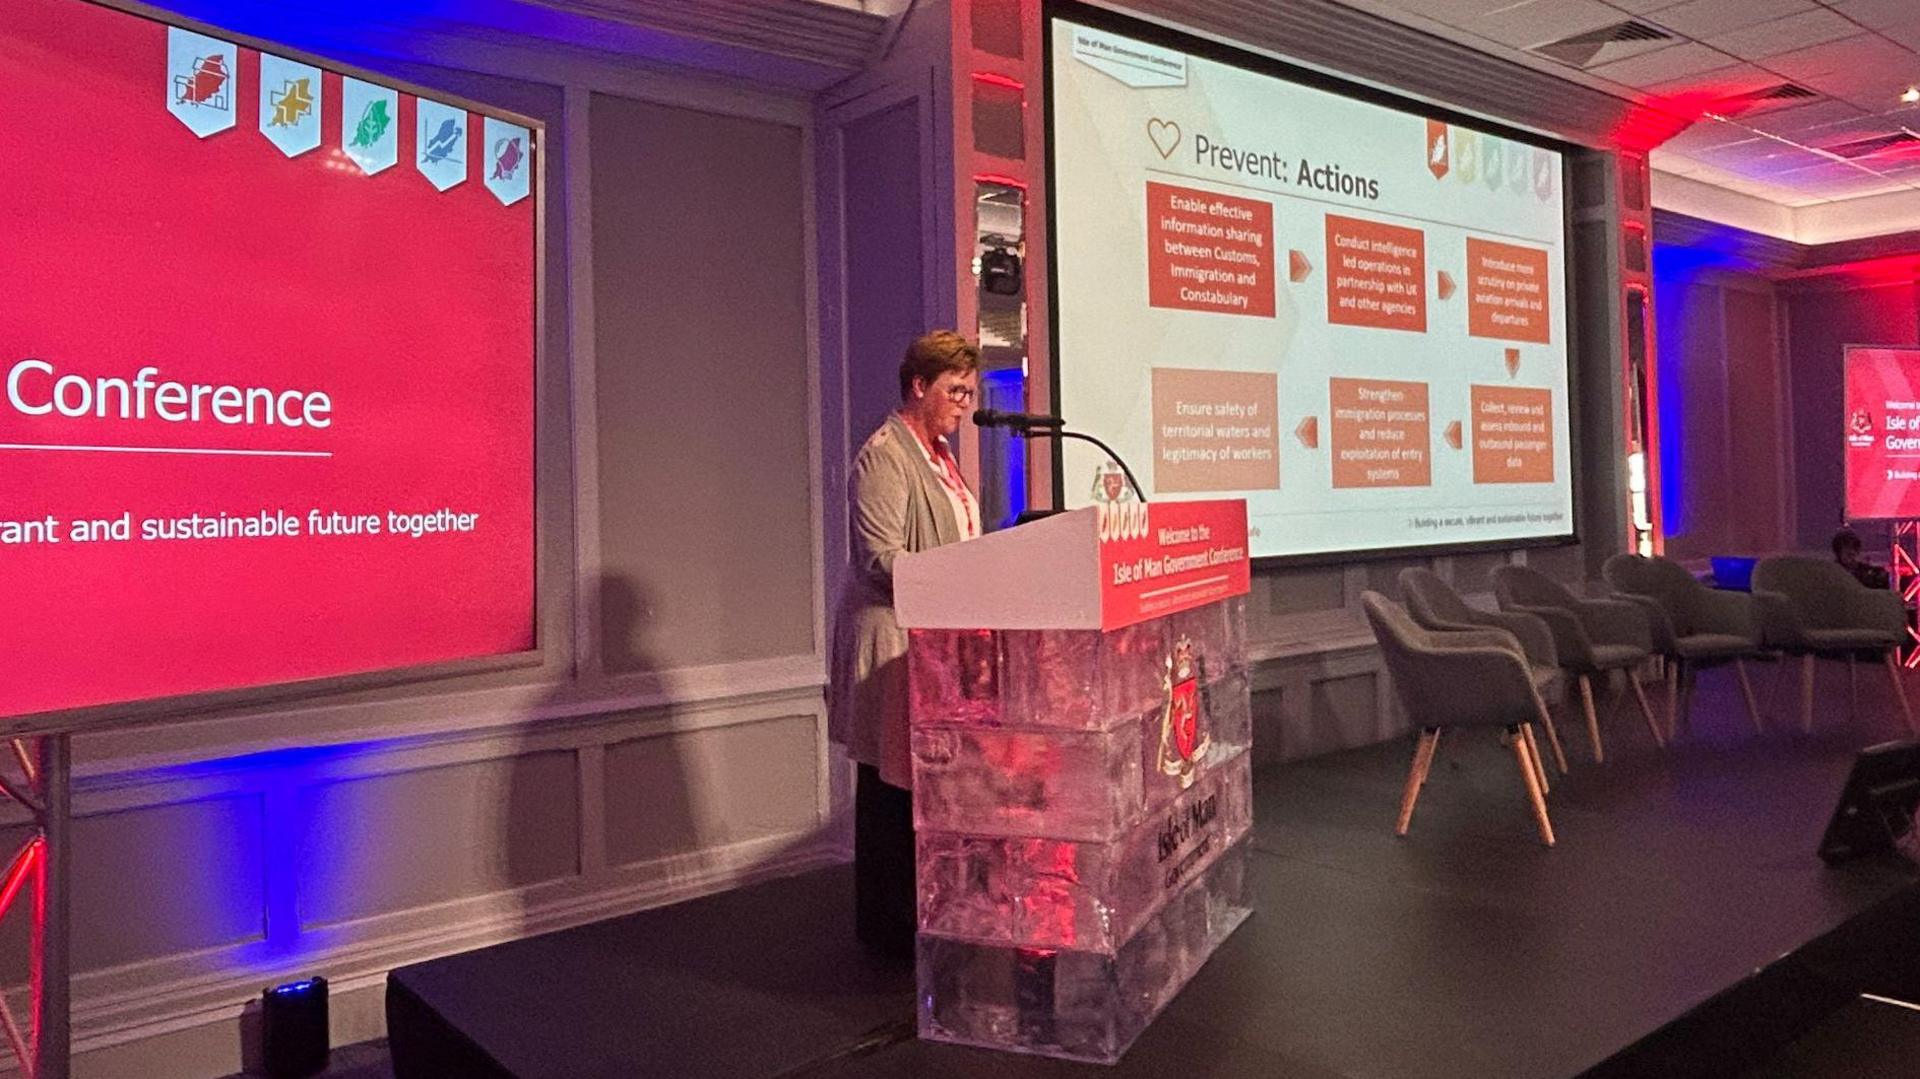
(153, 711)
(1846, 466)
(1248, 58)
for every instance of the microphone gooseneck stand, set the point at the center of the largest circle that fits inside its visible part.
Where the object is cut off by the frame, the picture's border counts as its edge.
(1061, 432)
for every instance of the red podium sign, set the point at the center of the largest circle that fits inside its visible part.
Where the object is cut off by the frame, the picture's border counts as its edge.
(1162, 557)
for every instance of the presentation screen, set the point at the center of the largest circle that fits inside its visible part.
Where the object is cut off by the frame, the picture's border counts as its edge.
(1350, 314)
(267, 343)
(1882, 437)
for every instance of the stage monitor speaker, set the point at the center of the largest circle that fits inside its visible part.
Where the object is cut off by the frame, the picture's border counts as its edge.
(293, 1023)
(1877, 805)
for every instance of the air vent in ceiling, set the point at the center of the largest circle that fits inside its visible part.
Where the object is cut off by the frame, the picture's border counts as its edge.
(1607, 44)
(1902, 142)
(1783, 95)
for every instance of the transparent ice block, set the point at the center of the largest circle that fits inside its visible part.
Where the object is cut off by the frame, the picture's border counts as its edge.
(1065, 679)
(1068, 784)
(1079, 1004)
(1081, 801)
(1039, 892)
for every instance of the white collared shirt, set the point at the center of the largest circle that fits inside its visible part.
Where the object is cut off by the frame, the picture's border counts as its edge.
(966, 508)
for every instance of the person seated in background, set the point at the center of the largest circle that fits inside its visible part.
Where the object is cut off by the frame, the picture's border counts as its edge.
(1846, 551)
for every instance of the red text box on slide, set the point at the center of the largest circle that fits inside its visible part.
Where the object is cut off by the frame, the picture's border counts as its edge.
(1215, 430)
(1508, 293)
(1209, 252)
(1159, 558)
(223, 262)
(1881, 432)
(1376, 275)
(1382, 433)
(1512, 434)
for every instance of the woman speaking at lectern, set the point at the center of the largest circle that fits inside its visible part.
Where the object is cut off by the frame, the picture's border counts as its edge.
(905, 494)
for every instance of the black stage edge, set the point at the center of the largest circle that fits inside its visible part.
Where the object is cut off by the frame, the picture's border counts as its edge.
(1682, 927)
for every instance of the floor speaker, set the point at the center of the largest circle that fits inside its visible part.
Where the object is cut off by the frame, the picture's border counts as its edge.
(1877, 805)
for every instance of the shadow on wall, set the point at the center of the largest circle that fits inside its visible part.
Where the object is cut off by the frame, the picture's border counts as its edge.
(673, 796)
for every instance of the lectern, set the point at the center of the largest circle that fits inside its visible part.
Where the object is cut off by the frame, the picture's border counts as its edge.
(1081, 779)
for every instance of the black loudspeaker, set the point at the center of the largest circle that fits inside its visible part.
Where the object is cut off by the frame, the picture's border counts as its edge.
(293, 1027)
(1877, 805)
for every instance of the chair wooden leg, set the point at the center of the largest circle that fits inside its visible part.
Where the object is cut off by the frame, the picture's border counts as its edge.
(1806, 693)
(1533, 753)
(1779, 677)
(1899, 688)
(1593, 721)
(1640, 695)
(1532, 780)
(1416, 775)
(1672, 681)
(1553, 736)
(1433, 754)
(1853, 689)
(1746, 691)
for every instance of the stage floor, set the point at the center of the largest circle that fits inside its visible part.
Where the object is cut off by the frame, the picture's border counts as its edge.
(1464, 949)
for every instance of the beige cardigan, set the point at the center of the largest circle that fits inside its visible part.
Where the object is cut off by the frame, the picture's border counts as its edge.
(897, 507)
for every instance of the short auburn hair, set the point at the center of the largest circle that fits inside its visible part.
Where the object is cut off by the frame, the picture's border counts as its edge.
(933, 354)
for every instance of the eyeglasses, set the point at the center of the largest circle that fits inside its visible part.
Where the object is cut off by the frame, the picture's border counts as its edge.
(959, 395)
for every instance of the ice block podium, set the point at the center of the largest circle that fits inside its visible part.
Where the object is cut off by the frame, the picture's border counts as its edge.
(1081, 780)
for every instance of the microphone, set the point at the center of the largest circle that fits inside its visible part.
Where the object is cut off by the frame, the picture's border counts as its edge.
(1019, 421)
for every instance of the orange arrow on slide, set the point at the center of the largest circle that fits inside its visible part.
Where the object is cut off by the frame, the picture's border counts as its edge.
(1452, 434)
(1298, 268)
(1308, 432)
(1445, 286)
(1513, 363)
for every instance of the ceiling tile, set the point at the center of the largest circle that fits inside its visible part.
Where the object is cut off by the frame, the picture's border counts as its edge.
(1453, 12)
(1538, 22)
(1709, 133)
(1702, 19)
(1872, 88)
(1878, 14)
(1802, 118)
(1907, 35)
(1721, 82)
(1784, 35)
(1665, 65)
(1854, 54)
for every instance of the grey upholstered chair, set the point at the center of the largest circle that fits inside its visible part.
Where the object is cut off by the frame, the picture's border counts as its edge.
(1692, 625)
(1591, 636)
(1435, 605)
(1461, 678)
(1811, 607)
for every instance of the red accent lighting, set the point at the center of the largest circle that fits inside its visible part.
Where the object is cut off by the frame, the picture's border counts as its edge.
(997, 178)
(16, 877)
(992, 79)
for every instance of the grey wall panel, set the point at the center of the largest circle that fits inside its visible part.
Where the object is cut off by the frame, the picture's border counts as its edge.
(881, 164)
(407, 839)
(1565, 564)
(1474, 572)
(1384, 577)
(1303, 591)
(1342, 712)
(702, 373)
(153, 882)
(680, 792)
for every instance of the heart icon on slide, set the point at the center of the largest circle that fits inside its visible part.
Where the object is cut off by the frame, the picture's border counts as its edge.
(1165, 135)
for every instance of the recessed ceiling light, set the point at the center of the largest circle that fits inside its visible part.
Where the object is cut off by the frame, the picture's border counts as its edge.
(1912, 95)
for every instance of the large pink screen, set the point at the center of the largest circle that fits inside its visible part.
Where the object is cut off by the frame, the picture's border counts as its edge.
(1881, 432)
(268, 341)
